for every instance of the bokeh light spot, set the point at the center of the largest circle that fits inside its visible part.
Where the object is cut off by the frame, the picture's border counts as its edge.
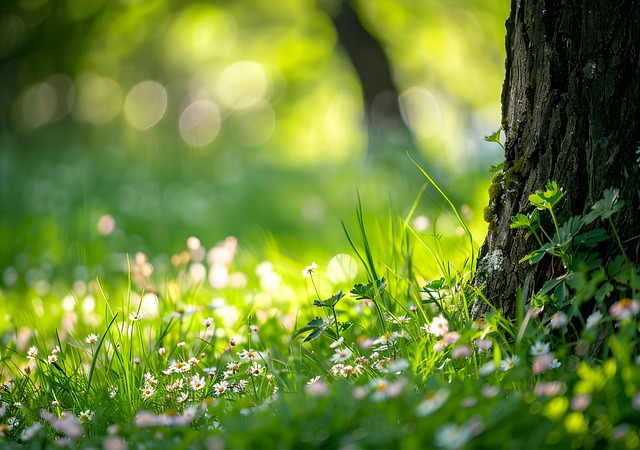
(145, 104)
(199, 123)
(97, 99)
(38, 105)
(243, 84)
(342, 268)
(421, 111)
(106, 224)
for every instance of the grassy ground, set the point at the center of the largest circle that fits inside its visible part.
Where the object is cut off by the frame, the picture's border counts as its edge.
(200, 342)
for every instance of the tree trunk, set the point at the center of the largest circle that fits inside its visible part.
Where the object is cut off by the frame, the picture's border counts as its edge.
(570, 113)
(386, 128)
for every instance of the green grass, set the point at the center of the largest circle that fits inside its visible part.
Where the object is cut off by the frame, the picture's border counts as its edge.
(217, 347)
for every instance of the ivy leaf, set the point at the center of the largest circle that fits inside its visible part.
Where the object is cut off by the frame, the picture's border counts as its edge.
(330, 302)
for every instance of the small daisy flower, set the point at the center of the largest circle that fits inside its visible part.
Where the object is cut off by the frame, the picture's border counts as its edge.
(91, 339)
(32, 352)
(559, 320)
(461, 351)
(162, 351)
(540, 348)
(56, 350)
(113, 391)
(181, 344)
(487, 369)
(136, 316)
(220, 388)
(439, 326)
(625, 308)
(255, 369)
(432, 402)
(509, 362)
(197, 382)
(313, 380)
(342, 355)
(483, 344)
(147, 391)
(309, 270)
(337, 343)
(86, 416)
(249, 355)
(593, 320)
(52, 359)
(451, 338)
(439, 346)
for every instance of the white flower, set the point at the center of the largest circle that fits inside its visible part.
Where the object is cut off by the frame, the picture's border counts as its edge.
(197, 382)
(91, 339)
(309, 270)
(559, 320)
(342, 355)
(593, 320)
(32, 352)
(555, 364)
(439, 326)
(487, 368)
(509, 362)
(337, 342)
(135, 316)
(208, 322)
(451, 436)
(540, 348)
(433, 402)
(220, 388)
(86, 416)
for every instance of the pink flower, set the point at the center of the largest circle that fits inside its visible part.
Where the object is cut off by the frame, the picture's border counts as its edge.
(461, 351)
(549, 389)
(483, 344)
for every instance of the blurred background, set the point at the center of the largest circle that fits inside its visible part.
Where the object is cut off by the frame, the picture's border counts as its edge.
(132, 125)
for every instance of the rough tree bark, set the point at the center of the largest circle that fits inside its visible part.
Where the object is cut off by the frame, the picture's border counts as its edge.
(571, 113)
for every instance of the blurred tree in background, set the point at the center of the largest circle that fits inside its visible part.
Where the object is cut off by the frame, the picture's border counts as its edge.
(175, 118)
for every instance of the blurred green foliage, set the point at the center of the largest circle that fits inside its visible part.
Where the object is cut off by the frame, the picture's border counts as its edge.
(180, 118)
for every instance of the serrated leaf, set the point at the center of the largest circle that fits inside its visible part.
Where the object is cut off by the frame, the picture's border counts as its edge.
(520, 221)
(494, 137)
(548, 198)
(591, 238)
(369, 291)
(497, 168)
(345, 325)
(330, 302)
(604, 291)
(314, 335)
